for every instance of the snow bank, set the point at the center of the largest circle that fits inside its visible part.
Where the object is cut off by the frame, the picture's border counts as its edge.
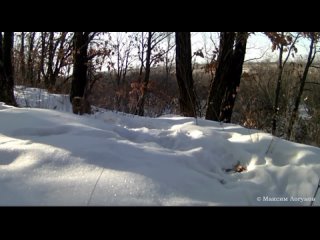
(51, 157)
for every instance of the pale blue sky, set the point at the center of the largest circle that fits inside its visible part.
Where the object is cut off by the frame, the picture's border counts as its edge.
(258, 45)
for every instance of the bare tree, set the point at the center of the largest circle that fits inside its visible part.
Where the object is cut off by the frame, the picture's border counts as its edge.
(169, 59)
(219, 83)
(314, 37)
(225, 85)
(80, 86)
(153, 54)
(187, 98)
(79, 80)
(123, 48)
(55, 51)
(285, 43)
(30, 66)
(235, 76)
(6, 69)
(140, 105)
(98, 51)
(22, 64)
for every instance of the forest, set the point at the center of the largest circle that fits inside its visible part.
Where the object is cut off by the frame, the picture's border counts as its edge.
(157, 73)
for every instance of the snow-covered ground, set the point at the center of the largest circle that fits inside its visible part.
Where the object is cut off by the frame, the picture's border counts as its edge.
(53, 157)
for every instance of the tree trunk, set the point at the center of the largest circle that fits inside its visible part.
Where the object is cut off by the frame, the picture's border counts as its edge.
(142, 56)
(187, 98)
(140, 105)
(1, 53)
(278, 88)
(168, 61)
(3, 86)
(126, 65)
(22, 73)
(79, 81)
(42, 57)
(30, 59)
(235, 76)
(303, 79)
(59, 59)
(222, 77)
(6, 69)
(49, 75)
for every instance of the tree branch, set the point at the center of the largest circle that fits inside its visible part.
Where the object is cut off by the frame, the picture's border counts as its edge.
(257, 58)
(316, 83)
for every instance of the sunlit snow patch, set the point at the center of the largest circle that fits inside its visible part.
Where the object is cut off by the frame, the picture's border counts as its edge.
(195, 134)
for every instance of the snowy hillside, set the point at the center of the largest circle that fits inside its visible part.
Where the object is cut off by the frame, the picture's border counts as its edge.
(53, 157)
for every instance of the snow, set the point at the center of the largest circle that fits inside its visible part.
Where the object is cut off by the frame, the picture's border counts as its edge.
(51, 157)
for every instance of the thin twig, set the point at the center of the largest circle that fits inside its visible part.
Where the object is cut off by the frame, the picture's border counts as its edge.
(94, 188)
(269, 147)
(257, 58)
(315, 194)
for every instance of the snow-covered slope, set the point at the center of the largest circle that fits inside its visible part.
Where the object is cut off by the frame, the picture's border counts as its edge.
(50, 157)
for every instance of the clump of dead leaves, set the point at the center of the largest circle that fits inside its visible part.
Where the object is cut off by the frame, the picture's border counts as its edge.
(237, 168)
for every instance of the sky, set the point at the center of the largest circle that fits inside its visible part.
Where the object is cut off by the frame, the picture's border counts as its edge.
(258, 46)
(51, 157)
